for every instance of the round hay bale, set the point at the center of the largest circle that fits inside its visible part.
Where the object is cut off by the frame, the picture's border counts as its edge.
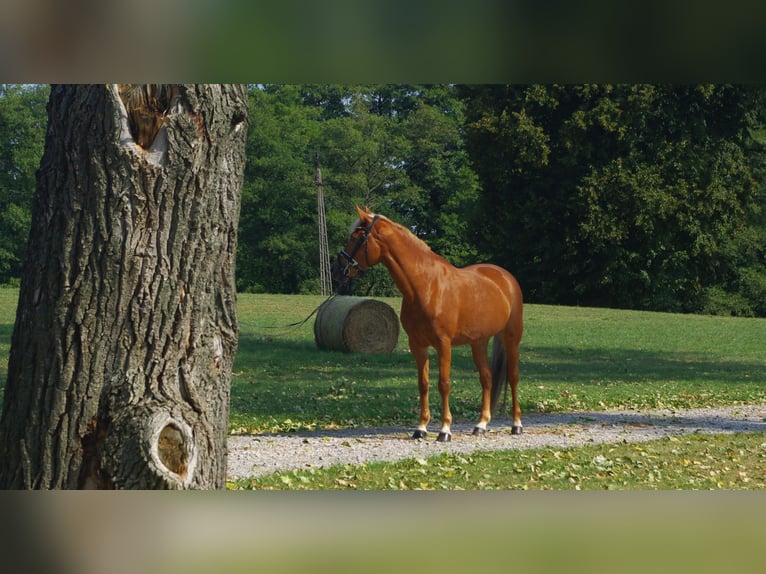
(356, 325)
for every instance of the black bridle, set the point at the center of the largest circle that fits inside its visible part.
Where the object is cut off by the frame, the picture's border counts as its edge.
(351, 262)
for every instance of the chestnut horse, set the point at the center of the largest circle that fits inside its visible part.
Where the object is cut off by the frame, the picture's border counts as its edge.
(444, 306)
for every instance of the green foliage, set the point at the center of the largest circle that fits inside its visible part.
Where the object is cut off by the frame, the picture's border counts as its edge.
(741, 272)
(278, 200)
(396, 148)
(620, 196)
(22, 133)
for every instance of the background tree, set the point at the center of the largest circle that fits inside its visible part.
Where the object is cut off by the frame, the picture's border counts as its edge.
(623, 196)
(22, 133)
(278, 250)
(363, 149)
(444, 187)
(396, 148)
(126, 326)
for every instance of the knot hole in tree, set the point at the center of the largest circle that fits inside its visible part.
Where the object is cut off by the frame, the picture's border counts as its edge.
(147, 106)
(172, 450)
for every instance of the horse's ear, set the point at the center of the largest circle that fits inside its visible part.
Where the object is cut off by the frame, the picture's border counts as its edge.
(362, 214)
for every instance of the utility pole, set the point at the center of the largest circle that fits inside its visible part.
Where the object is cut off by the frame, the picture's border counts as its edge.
(325, 279)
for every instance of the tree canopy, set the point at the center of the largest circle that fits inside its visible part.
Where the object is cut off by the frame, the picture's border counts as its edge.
(636, 196)
(633, 196)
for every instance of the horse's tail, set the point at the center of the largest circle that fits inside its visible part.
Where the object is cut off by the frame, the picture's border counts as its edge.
(499, 366)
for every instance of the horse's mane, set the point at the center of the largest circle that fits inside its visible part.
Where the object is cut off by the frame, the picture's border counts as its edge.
(406, 232)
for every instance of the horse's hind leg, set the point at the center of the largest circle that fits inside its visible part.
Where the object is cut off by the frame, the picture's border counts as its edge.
(512, 351)
(479, 351)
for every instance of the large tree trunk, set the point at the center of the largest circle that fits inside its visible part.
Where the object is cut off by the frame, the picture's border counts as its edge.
(126, 328)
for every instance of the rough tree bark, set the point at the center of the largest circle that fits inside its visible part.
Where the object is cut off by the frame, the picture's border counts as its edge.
(126, 328)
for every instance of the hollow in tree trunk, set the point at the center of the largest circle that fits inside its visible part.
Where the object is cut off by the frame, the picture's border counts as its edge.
(126, 327)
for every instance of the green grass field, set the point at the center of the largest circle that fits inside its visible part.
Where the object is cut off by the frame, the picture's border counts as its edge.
(8, 298)
(572, 359)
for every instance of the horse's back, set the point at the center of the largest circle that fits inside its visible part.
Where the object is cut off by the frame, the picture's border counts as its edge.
(465, 304)
(500, 277)
(488, 300)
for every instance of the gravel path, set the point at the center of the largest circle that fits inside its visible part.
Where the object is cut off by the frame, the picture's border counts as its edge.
(255, 455)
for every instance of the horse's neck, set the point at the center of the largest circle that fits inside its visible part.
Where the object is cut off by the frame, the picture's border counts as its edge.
(409, 260)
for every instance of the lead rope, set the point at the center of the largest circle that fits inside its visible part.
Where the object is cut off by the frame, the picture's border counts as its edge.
(290, 327)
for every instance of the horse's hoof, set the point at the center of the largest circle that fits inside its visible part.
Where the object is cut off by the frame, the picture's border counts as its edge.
(418, 434)
(444, 437)
(516, 429)
(478, 431)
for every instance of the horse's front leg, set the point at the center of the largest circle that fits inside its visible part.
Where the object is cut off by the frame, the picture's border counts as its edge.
(445, 361)
(421, 359)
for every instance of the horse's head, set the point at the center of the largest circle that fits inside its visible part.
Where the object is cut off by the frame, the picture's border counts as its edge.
(361, 251)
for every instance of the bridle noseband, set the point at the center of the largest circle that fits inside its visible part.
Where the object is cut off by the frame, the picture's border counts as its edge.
(351, 262)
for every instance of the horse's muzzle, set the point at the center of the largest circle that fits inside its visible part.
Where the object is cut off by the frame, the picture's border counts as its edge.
(343, 268)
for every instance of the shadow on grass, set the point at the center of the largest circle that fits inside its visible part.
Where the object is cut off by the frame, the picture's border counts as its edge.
(301, 360)
(545, 364)
(559, 364)
(282, 380)
(6, 332)
(731, 419)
